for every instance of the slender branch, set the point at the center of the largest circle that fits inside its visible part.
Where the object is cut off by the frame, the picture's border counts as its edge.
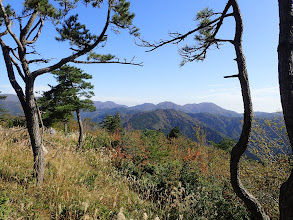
(11, 75)
(4, 33)
(224, 41)
(182, 37)
(28, 26)
(232, 76)
(37, 34)
(18, 68)
(96, 62)
(14, 54)
(39, 61)
(34, 28)
(219, 24)
(78, 54)
(76, 50)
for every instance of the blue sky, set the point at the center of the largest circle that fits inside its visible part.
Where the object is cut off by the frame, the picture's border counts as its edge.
(161, 78)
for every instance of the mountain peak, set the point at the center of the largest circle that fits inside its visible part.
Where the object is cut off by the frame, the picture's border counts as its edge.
(107, 105)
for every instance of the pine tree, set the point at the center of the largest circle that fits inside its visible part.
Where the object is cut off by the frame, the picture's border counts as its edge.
(112, 123)
(206, 37)
(20, 31)
(174, 133)
(71, 94)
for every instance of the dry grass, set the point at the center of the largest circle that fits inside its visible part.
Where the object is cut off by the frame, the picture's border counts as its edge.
(79, 185)
(85, 185)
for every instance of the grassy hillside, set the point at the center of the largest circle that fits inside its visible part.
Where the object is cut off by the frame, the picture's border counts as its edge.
(141, 173)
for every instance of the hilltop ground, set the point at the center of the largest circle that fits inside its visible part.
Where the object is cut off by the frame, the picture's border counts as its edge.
(141, 173)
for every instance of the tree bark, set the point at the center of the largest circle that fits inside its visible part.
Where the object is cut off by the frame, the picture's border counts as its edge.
(32, 118)
(30, 110)
(285, 56)
(250, 201)
(65, 128)
(80, 139)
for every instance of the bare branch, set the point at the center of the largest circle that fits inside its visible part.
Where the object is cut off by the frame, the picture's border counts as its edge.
(219, 24)
(41, 23)
(77, 54)
(14, 54)
(10, 71)
(4, 33)
(39, 61)
(232, 76)
(76, 50)
(28, 26)
(222, 40)
(18, 68)
(181, 37)
(117, 62)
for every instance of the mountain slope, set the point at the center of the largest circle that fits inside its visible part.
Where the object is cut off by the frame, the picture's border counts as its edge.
(165, 120)
(230, 127)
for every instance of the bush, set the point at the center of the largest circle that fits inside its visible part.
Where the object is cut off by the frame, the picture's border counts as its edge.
(174, 133)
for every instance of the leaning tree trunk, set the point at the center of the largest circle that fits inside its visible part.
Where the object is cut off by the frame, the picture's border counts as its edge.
(32, 118)
(30, 110)
(250, 201)
(80, 139)
(285, 55)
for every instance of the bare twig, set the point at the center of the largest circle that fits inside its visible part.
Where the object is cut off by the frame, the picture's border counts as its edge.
(231, 76)
(18, 68)
(117, 62)
(41, 22)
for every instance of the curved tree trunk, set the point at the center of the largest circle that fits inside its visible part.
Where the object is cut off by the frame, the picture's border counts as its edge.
(250, 201)
(80, 139)
(30, 110)
(285, 56)
(32, 118)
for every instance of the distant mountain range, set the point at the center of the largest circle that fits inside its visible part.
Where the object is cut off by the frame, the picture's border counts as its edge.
(215, 127)
(215, 121)
(188, 108)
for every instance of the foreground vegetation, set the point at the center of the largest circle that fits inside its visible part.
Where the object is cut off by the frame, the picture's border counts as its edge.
(141, 173)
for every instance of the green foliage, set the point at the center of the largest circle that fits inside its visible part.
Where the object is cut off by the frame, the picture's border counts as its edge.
(9, 12)
(174, 133)
(174, 178)
(112, 123)
(155, 149)
(65, 17)
(4, 209)
(204, 37)
(76, 33)
(269, 140)
(99, 57)
(99, 141)
(71, 94)
(226, 144)
(122, 18)
(205, 13)
(2, 98)
(10, 121)
(43, 7)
